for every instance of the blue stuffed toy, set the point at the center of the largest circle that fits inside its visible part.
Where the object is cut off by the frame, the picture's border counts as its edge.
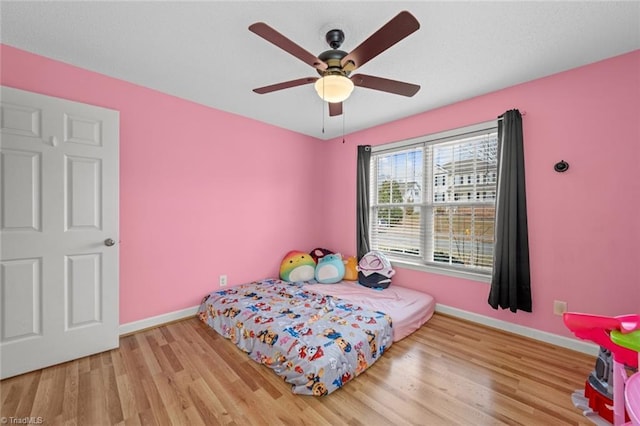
(330, 269)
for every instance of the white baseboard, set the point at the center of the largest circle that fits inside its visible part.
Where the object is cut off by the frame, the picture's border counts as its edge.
(543, 336)
(134, 326)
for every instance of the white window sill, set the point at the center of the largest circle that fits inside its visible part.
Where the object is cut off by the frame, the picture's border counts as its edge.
(484, 278)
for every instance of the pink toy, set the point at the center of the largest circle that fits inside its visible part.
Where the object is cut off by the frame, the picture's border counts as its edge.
(599, 329)
(632, 398)
(632, 386)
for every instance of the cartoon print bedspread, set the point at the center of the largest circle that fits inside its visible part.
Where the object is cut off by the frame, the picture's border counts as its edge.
(317, 343)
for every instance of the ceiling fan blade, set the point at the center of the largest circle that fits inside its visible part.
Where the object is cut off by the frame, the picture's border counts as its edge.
(274, 37)
(385, 85)
(335, 109)
(285, 85)
(391, 33)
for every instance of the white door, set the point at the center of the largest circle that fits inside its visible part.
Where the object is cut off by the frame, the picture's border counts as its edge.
(58, 220)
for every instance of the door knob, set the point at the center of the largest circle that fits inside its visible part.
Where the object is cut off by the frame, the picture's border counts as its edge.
(109, 242)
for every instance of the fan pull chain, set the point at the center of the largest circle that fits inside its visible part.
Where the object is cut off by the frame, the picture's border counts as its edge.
(322, 107)
(343, 114)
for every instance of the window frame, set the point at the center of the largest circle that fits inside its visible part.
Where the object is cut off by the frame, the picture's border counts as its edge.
(421, 264)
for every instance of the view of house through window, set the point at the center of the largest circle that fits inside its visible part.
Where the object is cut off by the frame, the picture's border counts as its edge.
(433, 200)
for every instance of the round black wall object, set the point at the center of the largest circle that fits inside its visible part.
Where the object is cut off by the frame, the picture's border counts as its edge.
(561, 166)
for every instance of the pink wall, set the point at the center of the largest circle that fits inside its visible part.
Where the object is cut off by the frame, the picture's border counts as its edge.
(583, 227)
(202, 192)
(188, 213)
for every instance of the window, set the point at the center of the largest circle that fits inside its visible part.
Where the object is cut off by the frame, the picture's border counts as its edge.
(433, 199)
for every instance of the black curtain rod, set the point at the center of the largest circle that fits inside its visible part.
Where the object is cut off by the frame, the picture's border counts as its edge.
(522, 114)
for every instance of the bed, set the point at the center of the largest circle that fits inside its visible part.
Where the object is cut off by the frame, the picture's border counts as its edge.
(317, 337)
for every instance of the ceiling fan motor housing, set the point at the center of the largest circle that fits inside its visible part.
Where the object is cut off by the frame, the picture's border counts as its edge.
(334, 56)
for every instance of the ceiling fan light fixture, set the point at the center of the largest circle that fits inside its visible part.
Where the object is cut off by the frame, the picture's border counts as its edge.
(334, 88)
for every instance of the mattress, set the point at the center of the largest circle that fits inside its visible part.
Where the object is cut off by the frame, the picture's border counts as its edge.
(315, 342)
(409, 309)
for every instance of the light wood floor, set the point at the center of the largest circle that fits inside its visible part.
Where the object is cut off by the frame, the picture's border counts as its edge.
(448, 372)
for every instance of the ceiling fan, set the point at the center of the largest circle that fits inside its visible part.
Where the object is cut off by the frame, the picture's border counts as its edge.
(334, 66)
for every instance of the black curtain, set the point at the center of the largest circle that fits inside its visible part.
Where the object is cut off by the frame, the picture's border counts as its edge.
(362, 203)
(511, 282)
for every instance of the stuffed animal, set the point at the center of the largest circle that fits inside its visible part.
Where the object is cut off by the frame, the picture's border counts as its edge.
(330, 269)
(374, 270)
(351, 268)
(319, 253)
(297, 266)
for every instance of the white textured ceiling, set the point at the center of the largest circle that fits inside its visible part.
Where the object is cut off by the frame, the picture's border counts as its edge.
(203, 51)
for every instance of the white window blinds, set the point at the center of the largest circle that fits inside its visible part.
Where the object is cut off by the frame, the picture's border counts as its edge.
(433, 200)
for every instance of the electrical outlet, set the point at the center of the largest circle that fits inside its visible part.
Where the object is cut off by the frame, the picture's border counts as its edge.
(559, 307)
(223, 280)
